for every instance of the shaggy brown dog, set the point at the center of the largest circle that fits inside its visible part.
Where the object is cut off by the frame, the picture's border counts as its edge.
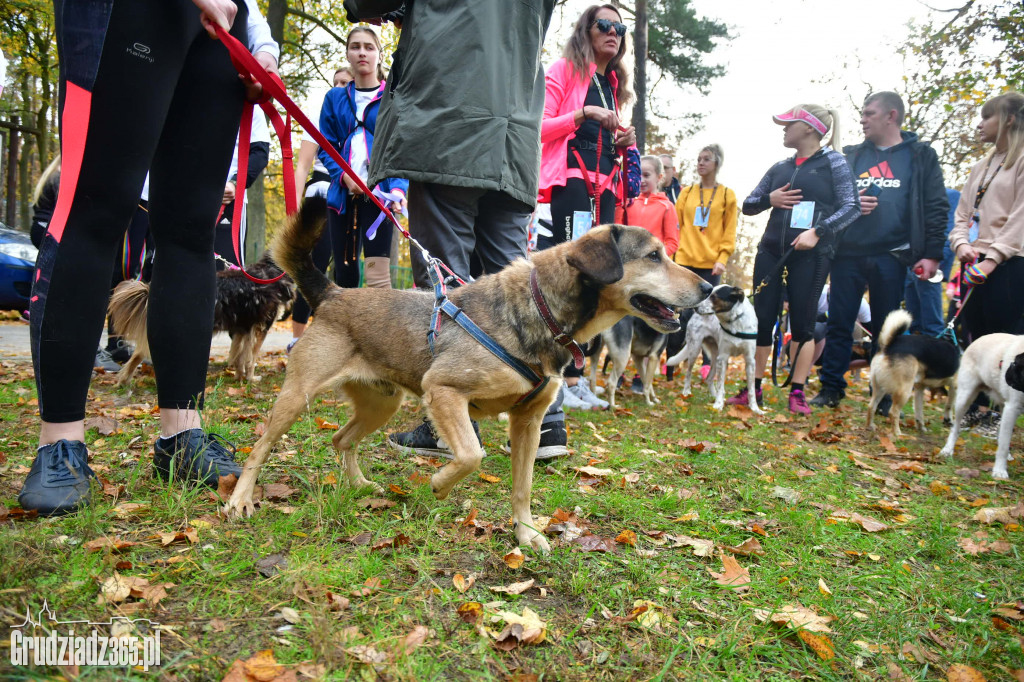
(245, 310)
(371, 346)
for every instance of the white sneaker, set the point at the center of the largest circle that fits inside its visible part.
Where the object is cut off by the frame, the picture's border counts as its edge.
(582, 391)
(572, 401)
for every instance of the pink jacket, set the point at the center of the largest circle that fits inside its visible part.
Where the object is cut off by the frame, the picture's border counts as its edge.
(564, 96)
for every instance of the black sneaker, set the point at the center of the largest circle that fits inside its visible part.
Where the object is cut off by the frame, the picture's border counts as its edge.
(552, 443)
(195, 456)
(423, 441)
(119, 350)
(826, 398)
(104, 361)
(884, 405)
(58, 482)
(637, 386)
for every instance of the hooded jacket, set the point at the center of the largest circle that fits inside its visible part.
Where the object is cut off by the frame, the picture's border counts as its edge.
(656, 214)
(465, 94)
(338, 123)
(928, 209)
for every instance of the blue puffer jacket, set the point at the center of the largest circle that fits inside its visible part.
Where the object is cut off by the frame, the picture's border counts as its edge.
(338, 123)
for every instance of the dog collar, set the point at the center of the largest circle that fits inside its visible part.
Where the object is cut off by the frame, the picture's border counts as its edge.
(739, 335)
(561, 337)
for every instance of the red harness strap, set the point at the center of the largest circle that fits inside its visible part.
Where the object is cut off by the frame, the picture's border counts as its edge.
(594, 189)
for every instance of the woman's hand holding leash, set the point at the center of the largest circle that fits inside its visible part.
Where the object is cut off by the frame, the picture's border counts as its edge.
(807, 240)
(608, 119)
(219, 12)
(784, 197)
(625, 137)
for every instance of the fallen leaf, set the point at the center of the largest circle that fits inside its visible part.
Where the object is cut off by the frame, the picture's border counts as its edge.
(963, 673)
(375, 503)
(471, 611)
(819, 644)
(104, 425)
(114, 544)
(289, 614)
(336, 602)
(595, 543)
(748, 547)
(276, 492)
(823, 588)
(733, 575)
(490, 478)
(796, 617)
(462, 583)
(939, 488)
(514, 559)
(399, 540)
(788, 494)
(414, 639)
(396, 489)
(514, 588)
(226, 486)
(322, 423)
(269, 565)
(991, 515)
(361, 539)
(973, 548)
(626, 537)
(520, 629)
(365, 653)
(867, 523)
(594, 471)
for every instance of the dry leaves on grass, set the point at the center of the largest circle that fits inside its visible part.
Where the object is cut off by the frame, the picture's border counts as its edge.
(114, 544)
(796, 617)
(819, 644)
(514, 588)
(190, 535)
(396, 542)
(733, 575)
(462, 583)
(514, 559)
(105, 426)
(118, 588)
(527, 628)
(748, 547)
(1004, 515)
(375, 503)
(963, 673)
(979, 544)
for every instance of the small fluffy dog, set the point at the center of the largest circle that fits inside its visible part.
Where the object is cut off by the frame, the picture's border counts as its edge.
(631, 336)
(986, 366)
(732, 332)
(244, 309)
(909, 364)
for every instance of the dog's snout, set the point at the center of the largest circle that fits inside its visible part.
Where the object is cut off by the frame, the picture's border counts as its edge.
(705, 290)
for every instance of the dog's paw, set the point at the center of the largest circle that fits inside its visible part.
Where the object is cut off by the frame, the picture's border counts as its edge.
(530, 537)
(757, 410)
(946, 452)
(363, 482)
(240, 508)
(1000, 474)
(1009, 457)
(718, 406)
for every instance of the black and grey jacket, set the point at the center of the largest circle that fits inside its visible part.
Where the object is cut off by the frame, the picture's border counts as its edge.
(929, 206)
(825, 179)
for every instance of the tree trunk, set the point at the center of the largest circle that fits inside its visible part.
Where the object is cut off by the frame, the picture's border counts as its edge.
(640, 74)
(256, 220)
(276, 10)
(12, 173)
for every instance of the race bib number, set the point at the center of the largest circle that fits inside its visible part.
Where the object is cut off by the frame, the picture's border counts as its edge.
(582, 221)
(803, 216)
(700, 217)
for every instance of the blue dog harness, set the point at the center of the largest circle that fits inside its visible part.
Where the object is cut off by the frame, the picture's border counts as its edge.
(444, 305)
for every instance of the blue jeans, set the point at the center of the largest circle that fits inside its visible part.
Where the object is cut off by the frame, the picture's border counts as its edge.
(883, 277)
(924, 302)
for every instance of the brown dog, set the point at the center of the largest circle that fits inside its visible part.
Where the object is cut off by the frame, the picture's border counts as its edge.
(371, 345)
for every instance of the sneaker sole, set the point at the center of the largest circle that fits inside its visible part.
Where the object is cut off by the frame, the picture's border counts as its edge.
(546, 452)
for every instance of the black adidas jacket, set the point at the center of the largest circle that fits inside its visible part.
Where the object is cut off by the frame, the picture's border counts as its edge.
(929, 206)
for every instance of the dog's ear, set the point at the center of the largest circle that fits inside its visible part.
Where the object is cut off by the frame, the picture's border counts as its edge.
(596, 256)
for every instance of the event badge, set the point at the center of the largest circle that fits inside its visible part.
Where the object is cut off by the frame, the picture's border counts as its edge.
(700, 216)
(803, 216)
(582, 221)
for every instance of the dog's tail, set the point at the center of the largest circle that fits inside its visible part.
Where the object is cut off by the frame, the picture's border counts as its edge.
(896, 323)
(128, 309)
(293, 252)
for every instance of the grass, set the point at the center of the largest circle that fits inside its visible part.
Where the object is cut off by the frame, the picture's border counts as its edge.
(908, 600)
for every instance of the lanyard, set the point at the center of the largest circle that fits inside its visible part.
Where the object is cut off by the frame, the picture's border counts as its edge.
(705, 212)
(600, 92)
(983, 187)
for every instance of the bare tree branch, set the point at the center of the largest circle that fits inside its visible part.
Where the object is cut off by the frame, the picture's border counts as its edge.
(318, 22)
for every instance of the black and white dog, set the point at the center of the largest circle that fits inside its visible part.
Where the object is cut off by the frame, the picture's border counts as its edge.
(906, 365)
(730, 331)
(988, 365)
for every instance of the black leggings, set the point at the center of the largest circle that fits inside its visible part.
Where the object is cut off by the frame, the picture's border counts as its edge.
(806, 272)
(348, 238)
(172, 109)
(321, 255)
(997, 306)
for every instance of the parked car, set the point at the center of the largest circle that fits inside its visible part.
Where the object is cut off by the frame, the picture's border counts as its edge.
(17, 262)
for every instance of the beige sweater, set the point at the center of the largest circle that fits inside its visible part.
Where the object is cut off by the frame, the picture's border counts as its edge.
(1001, 229)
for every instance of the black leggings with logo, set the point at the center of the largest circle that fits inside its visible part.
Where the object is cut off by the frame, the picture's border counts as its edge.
(143, 88)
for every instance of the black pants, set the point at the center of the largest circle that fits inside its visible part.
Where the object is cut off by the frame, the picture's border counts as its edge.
(348, 238)
(997, 305)
(806, 272)
(321, 255)
(172, 109)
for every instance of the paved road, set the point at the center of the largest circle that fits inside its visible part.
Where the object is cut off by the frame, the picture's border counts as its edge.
(14, 341)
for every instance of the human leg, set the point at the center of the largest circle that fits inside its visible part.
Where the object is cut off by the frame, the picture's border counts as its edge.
(443, 219)
(847, 288)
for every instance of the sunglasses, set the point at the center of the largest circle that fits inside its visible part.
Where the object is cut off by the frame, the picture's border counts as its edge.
(605, 25)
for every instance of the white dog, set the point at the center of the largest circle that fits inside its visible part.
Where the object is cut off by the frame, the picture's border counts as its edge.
(983, 368)
(731, 331)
